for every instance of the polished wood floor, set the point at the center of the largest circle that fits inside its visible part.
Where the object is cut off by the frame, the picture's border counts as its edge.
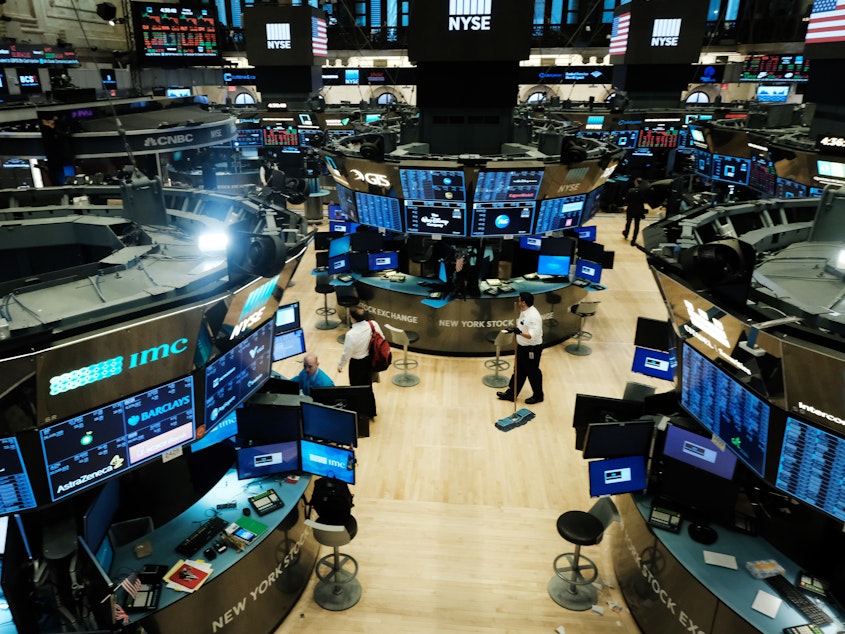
(456, 519)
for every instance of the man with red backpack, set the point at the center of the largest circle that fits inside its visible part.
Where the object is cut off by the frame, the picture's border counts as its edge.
(356, 347)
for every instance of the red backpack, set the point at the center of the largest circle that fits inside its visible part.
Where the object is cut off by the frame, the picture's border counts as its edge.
(380, 354)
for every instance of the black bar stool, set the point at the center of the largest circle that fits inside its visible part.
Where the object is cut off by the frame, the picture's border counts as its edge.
(325, 288)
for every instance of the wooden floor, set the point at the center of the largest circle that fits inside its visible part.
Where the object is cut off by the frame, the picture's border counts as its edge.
(456, 519)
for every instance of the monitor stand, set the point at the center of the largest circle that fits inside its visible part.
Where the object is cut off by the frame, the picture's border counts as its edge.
(702, 533)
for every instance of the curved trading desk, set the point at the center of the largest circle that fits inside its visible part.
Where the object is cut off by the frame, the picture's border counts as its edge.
(250, 591)
(671, 590)
(461, 326)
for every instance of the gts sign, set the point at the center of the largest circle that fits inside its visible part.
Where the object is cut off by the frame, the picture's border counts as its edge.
(379, 180)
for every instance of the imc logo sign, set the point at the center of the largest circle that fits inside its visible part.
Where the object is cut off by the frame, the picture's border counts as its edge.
(665, 32)
(469, 15)
(278, 35)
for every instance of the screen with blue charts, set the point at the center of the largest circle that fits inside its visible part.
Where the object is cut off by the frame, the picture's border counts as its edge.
(87, 449)
(379, 211)
(507, 186)
(731, 169)
(559, 213)
(617, 475)
(501, 219)
(726, 408)
(435, 217)
(15, 490)
(423, 184)
(288, 344)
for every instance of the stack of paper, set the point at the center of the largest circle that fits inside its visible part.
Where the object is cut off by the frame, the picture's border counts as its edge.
(187, 575)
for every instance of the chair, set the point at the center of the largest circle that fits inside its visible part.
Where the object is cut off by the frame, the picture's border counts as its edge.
(404, 338)
(337, 588)
(583, 310)
(500, 339)
(128, 531)
(325, 288)
(347, 297)
(571, 586)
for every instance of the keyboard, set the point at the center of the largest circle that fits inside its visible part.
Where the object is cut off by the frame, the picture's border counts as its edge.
(201, 536)
(806, 628)
(798, 600)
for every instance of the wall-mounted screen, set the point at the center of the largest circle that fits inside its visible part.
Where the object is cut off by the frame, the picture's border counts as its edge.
(559, 213)
(698, 451)
(726, 408)
(503, 186)
(794, 68)
(666, 138)
(617, 475)
(171, 32)
(327, 461)
(614, 440)
(14, 481)
(237, 374)
(767, 93)
(501, 219)
(287, 317)
(384, 261)
(731, 169)
(379, 211)
(330, 424)
(85, 450)
(288, 344)
(260, 461)
(435, 217)
(655, 363)
(425, 184)
(590, 271)
(812, 467)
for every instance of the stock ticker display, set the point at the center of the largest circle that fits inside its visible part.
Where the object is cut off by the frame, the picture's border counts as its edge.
(15, 490)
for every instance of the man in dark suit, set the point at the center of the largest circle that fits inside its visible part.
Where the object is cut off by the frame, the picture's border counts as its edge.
(636, 210)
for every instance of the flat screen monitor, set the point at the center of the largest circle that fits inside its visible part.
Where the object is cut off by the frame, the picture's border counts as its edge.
(341, 245)
(278, 385)
(507, 186)
(367, 241)
(558, 246)
(356, 398)
(288, 344)
(706, 497)
(555, 214)
(435, 217)
(653, 334)
(339, 264)
(767, 93)
(592, 251)
(330, 424)
(617, 475)
(626, 139)
(384, 261)
(287, 317)
(237, 374)
(530, 243)
(655, 363)
(335, 212)
(224, 429)
(424, 184)
(128, 432)
(586, 270)
(260, 461)
(346, 198)
(702, 162)
(262, 424)
(588, 234)
(663, 138)
(174, 93)
(554, 265)
(327, 461)
(731, 169)
(831, 169)
(696, 450)
(811, 467)
(17, 490)
(614, 440)
(18, 587)
(343, 226)
(177, 34)
(379, 211)
(786, 188)
(251, 137)
(501, 219)
(590, 409)
(726, 408)
(100, 513)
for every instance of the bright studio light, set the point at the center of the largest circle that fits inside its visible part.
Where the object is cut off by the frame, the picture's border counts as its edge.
(213, 242)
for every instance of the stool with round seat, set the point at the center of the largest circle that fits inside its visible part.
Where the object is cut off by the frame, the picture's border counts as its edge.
(347, 297)
(583, 310)
(404, 338)
(553, 299)
(325, 288)
(500, 339)
(571, 586)
(337, 588)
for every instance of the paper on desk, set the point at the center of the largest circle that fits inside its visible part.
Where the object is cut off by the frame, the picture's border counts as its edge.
(766, 603)
(720, 559)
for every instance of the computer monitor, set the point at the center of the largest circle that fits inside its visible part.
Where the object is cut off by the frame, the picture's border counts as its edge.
(288, 344)
(322, 240)
(617, 475)
(278, 385)
(530, 243)
(591, 251)
(18, 586)
(339, 264)
(586, 270)
(501, 219)
(587, 233)
(554, 265)
(614, 440)
(652, 333)
(341, 245)
(555, 214)
(558, 246)
(367, 241)
(356, 398)
(698, 451)
(330, 424)
(222, 430)
(259, 424)
(384, 261)
(590, 409)
(100, 513)
(435, 217)
(97, 583)
(287, 317)
(379, 211)
(18, 494)
(655, 363)
(324, 460)
(343, 226)
(259, 461)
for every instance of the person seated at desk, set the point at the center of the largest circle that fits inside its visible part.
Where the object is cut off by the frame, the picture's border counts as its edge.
(311, 375)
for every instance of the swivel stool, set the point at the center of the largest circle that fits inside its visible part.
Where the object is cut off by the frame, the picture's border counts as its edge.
(325, 288)
(337, 588)
(501, 340)
(404, 338)
(583, 310)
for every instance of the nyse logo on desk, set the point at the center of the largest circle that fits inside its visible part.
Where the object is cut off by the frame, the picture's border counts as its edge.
(469, 15)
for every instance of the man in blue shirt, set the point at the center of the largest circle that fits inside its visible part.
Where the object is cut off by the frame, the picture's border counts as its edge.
(312, 375)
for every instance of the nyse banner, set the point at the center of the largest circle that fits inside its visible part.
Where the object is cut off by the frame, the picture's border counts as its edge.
(662, 32)
(251, 306)
(82, 375)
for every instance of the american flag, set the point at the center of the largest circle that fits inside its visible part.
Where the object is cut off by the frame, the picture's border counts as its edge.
(619, 34)
(319, 37)
(120, 615)
(132, 584)
(827, 22)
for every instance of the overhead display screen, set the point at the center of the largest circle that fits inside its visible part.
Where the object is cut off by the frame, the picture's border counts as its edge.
(15, 490)
(775, 67)
(176, 32)
(726, 408)
(423, 184)
(812, 467)
(504, 186)
(658, 138)
(84, 450)
(379, 211)
(435, 217)
(501, 219)
(233, 377)
(559, 213)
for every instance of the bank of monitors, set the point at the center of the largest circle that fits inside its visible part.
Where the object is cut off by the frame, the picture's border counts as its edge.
(435, 217)
(288, 344)
(786, 188)
(726, 408)
(507, 186)
(698, 451)
(366, 241)
(329, 424)
(617, 475)
(264, 424)
(287, 317)
(555, 214)
(590, 409)
(259, 461)
(501, 219)
(614, 440)
(553, 265)
(327, 461)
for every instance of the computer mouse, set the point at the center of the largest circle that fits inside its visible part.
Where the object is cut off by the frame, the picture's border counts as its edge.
(209, 553)
(247, 512)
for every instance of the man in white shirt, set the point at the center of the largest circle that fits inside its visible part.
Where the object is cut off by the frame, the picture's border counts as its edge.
(356, 350)
(529, 339)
